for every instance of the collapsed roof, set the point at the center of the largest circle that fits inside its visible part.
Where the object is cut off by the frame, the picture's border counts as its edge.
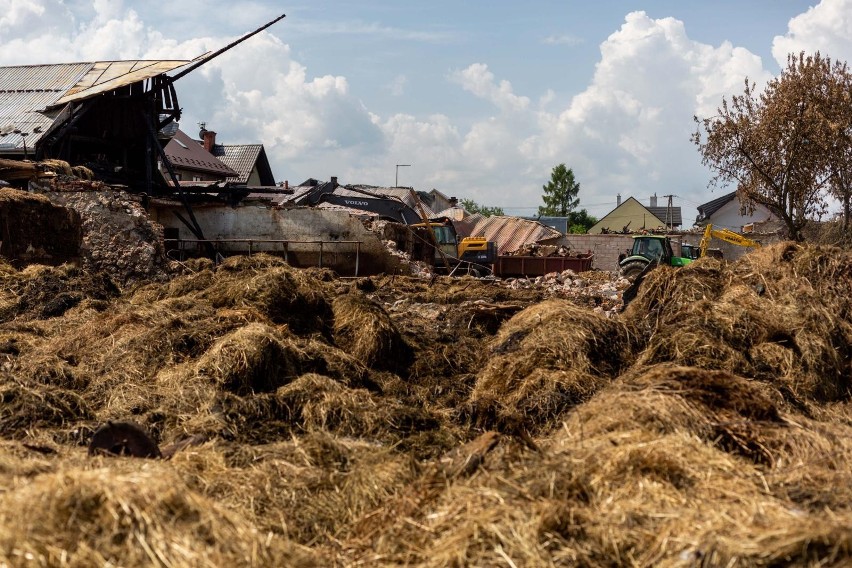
(112, 116)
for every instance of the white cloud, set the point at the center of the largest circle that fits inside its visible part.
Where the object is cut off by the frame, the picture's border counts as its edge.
(628, 132)
(826, 27)
(478, 80)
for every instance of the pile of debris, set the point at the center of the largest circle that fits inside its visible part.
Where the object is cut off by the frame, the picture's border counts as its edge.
(597, 289)
(537, 249)
(66, 216)
(118, 236)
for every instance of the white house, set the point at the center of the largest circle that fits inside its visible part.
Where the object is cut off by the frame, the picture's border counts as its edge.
(726, 212)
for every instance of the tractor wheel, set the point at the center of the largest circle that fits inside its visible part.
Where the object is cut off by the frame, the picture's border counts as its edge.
(633, 269)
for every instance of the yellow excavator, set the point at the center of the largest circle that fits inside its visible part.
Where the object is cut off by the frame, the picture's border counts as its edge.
(724, 235)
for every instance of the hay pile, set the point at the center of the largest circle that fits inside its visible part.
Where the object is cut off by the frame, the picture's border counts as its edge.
(545, 360)
(364, 330)
(322, 421)
(780, 313)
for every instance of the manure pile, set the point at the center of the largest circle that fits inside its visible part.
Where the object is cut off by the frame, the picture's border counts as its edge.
(307, 420)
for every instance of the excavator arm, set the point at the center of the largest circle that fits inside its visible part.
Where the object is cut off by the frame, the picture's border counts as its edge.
(724, 235)
(385, 207)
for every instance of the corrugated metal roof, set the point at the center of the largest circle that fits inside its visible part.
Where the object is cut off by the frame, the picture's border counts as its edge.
(25, 92)
(239, 157)
(511, 233)
(105, 76)
(57, 77)
(30, 95)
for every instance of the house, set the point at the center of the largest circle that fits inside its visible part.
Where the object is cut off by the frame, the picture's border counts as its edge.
(205, 161)
(727, 212)
(192, 162)
(249, 161)
(630, 216)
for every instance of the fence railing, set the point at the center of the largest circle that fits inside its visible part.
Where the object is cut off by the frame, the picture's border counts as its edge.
(182, 246)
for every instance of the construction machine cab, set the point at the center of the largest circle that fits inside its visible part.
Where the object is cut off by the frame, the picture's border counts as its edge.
(649, 251)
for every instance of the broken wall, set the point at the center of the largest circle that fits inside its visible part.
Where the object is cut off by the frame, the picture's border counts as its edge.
(118, 237)
(256, 228)
(606, 248)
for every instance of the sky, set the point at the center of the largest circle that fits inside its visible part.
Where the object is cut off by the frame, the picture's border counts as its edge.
(481, 99)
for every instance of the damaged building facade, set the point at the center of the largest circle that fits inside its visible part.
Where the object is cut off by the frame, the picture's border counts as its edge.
(116, 123)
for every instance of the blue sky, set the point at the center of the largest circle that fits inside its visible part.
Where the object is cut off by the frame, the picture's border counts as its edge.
(482, 98)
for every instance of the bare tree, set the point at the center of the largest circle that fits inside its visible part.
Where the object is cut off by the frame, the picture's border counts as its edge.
(782, 147)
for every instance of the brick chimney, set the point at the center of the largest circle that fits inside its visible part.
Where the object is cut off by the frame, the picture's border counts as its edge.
(209, 140)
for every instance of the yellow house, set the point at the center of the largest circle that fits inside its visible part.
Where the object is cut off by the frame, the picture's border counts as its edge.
(627, 217)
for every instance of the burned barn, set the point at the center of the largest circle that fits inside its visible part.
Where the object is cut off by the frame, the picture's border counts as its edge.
(113, 117)
(110, 116)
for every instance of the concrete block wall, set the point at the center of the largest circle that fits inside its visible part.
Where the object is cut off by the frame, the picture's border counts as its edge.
(606, 247)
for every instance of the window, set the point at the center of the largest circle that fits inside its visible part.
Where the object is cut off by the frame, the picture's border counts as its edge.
(196, 178)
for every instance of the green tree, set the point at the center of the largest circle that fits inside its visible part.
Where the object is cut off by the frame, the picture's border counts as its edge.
(560, 193)
(786, 147)
(472, 206)
(579, 222)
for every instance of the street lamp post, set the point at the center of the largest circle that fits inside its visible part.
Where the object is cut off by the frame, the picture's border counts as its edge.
(396, 180)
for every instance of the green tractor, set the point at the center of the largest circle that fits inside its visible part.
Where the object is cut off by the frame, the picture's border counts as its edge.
(648, 252)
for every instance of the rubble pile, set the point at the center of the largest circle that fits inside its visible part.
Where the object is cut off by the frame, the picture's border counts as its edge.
(118, 236)
(600, 290)
(396, 420)
(538, 249)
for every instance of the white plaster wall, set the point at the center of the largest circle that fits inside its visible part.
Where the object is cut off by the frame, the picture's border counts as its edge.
(259, 223)
(729, 217)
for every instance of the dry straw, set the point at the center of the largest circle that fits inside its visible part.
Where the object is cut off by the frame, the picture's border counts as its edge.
(364, 330)
(545, 360)
(706, 426)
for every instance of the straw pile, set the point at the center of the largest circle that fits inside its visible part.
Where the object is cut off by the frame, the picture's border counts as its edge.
(545, 360)
(364, 330)
(780, 313)
(315, 421)
(129, 516)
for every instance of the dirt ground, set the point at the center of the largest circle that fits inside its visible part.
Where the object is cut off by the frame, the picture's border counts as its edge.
(309, 420)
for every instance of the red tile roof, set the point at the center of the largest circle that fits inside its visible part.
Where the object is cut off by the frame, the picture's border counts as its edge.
(189, 154)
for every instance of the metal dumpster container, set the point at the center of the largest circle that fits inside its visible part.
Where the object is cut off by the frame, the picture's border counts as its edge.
(540, 265)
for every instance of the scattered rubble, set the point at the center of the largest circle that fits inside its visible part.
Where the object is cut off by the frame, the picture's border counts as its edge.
(537, 249)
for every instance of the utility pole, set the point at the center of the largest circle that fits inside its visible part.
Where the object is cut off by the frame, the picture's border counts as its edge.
(396, 179)
(669, 213)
